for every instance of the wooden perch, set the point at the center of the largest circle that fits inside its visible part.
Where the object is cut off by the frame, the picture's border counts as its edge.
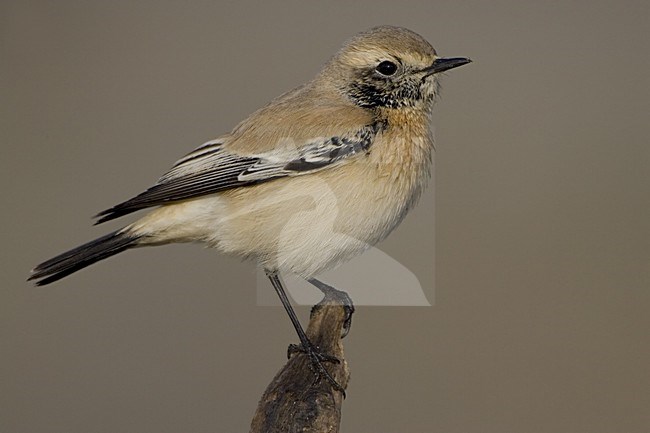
(297, 400)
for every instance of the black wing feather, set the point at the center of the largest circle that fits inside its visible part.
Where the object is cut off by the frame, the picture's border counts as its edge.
(181, 188)
(211, 168)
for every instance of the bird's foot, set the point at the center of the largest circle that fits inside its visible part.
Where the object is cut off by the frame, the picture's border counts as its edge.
(317, 359)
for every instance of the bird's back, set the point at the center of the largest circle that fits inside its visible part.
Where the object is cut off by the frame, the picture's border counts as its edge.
(300, 115)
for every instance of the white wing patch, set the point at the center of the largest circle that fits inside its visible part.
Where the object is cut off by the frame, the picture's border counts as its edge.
(211, 168)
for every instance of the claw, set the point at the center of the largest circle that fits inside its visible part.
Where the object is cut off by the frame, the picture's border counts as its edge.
(298, 348)
(317, 358)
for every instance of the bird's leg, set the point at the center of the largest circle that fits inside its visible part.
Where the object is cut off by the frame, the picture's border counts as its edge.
(339, 297)
(307, 347)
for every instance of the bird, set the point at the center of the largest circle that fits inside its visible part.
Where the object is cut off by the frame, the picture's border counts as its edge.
(358, 134)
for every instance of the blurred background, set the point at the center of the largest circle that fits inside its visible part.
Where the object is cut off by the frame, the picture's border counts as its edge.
(542, 241)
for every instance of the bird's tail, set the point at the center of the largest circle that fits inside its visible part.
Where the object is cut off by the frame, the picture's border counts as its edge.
(82, 256)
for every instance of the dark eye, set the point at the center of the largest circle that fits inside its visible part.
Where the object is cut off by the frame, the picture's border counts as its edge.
(386, 68)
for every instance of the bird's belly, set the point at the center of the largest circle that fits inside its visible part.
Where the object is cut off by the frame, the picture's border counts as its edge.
(308, 224)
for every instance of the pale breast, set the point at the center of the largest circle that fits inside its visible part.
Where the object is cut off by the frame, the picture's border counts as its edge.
(307, 224)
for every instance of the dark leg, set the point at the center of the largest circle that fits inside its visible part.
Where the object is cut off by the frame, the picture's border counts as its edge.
(315, 357)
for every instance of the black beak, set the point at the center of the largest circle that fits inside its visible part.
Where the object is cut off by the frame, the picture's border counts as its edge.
(445, 63)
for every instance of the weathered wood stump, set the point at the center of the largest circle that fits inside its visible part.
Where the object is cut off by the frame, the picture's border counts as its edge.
(298, 400)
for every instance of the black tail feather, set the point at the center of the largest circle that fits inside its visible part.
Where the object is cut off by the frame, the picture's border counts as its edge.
(82, 256)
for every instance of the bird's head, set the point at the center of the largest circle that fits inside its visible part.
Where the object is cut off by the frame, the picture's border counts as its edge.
(388, 67)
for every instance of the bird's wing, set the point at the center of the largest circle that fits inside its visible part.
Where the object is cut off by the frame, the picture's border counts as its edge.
(212, 168)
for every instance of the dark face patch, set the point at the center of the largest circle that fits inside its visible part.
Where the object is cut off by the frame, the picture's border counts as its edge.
(371, 90)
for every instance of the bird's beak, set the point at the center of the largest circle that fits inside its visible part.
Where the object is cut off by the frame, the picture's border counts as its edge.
(444, 64)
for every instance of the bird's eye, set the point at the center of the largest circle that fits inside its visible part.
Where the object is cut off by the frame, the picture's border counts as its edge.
(387, 68)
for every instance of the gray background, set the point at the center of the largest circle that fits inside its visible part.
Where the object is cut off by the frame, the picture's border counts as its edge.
(541, 220)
